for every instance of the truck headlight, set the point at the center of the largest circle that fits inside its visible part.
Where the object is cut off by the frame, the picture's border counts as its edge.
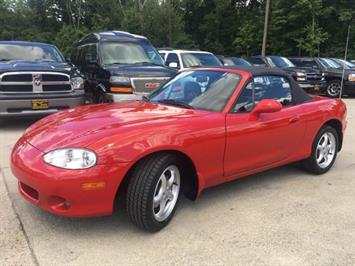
(71, 158)
(120, 79)
(351, 77)
(77, 83)
(300, 76)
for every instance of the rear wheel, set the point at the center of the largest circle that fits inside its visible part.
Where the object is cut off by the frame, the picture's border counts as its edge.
(324, 151)
(333, 88)
(153, 192)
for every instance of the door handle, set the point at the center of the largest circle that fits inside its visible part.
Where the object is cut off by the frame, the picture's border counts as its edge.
(294, 120)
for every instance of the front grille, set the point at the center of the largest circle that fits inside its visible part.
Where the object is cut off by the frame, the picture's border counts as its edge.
(37, 82)
(56, 88)
(16, 88)
(18, 77)
(313, 77)
(147, 85)
(47, 77)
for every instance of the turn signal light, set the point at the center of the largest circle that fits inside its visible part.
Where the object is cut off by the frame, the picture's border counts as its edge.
(94, 185)
(122, 89)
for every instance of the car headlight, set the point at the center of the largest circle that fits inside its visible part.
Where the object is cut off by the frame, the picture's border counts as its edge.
(77, 83)
(300, 74)
(351, 77)
(120, 79)
(71, 158)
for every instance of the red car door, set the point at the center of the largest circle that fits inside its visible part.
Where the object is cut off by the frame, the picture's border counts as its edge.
(252, 144)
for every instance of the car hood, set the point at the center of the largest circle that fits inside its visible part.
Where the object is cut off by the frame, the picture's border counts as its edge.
(84, 125)
(19, 65)
(141, 71)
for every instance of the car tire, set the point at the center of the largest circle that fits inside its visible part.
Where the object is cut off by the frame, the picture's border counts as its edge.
(153, 192)
(333, 88)
(100, 97)
(324, 151)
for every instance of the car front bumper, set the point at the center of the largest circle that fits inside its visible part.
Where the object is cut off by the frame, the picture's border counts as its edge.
(16, 105)
(117, 97)
(349, 87)
(313, 85)
(65, 192)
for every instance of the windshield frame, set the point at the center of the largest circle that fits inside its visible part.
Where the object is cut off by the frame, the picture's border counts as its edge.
(138, 43)
(35, 45)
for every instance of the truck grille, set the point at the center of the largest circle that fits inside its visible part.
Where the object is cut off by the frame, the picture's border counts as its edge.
(36, 82)
(315, 77)
(147, 85)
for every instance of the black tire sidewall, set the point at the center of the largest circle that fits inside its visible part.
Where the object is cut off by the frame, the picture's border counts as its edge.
(330, 83)
(153, 223)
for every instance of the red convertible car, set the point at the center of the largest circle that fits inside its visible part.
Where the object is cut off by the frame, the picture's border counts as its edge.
(204, 127)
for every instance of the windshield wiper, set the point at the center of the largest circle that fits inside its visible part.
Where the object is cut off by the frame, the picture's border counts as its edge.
(145, 99)
(146, 64)
(176, 103)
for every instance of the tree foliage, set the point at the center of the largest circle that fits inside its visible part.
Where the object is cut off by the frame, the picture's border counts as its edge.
(230, 27)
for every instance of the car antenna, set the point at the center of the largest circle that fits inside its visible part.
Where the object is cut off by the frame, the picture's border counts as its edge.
(345, 57)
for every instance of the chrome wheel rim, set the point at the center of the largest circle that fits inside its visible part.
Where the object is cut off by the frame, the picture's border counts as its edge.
(166, 193)
(334, 89)
(326, 150)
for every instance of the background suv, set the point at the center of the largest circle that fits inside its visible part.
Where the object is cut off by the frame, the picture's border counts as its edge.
(35, 79)
(119, 65)
(181, 59)
(307, 78)
(332, 71)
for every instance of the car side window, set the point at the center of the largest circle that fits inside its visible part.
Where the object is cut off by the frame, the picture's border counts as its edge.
(172, 57)
(264, 87)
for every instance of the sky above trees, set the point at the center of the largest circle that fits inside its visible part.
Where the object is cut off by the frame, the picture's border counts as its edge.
(229, 27)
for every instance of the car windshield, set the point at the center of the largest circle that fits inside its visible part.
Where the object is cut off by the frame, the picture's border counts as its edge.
(281, 62)
(201, 89)
(30, 52)
(240, 61)
(199, 59)
(347, 64)
(328, 63)
(130, 53)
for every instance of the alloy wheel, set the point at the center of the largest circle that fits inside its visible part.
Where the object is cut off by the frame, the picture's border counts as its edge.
(325, 150)
(166, 193)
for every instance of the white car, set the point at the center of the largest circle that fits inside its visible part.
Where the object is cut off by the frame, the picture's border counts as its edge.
(181, 59)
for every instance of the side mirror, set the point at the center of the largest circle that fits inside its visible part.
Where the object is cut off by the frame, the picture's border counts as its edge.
(266, 106)
(173, 65)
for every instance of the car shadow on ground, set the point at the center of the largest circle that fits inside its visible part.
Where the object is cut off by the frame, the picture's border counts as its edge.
(119, 224)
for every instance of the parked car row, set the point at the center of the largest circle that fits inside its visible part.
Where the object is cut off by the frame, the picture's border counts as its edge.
(115, 65)
(311, 73)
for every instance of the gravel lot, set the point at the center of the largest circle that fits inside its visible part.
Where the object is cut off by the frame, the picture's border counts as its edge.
(279, 217)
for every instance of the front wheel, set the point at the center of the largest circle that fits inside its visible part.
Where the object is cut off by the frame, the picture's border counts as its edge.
(324, 151)
(153, 192)
(333, 88)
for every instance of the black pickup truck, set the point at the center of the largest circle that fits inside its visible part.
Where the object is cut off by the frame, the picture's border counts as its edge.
(307, 78)
(36, 80)
(332, 72)
(119, 66)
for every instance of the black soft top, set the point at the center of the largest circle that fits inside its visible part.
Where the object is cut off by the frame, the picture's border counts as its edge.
(298, 94)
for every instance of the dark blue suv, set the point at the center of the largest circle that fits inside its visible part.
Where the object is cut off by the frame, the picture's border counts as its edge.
(119, 66)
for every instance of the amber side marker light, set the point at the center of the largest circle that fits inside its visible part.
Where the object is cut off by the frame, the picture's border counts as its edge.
(122, 89)
(94, 185)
